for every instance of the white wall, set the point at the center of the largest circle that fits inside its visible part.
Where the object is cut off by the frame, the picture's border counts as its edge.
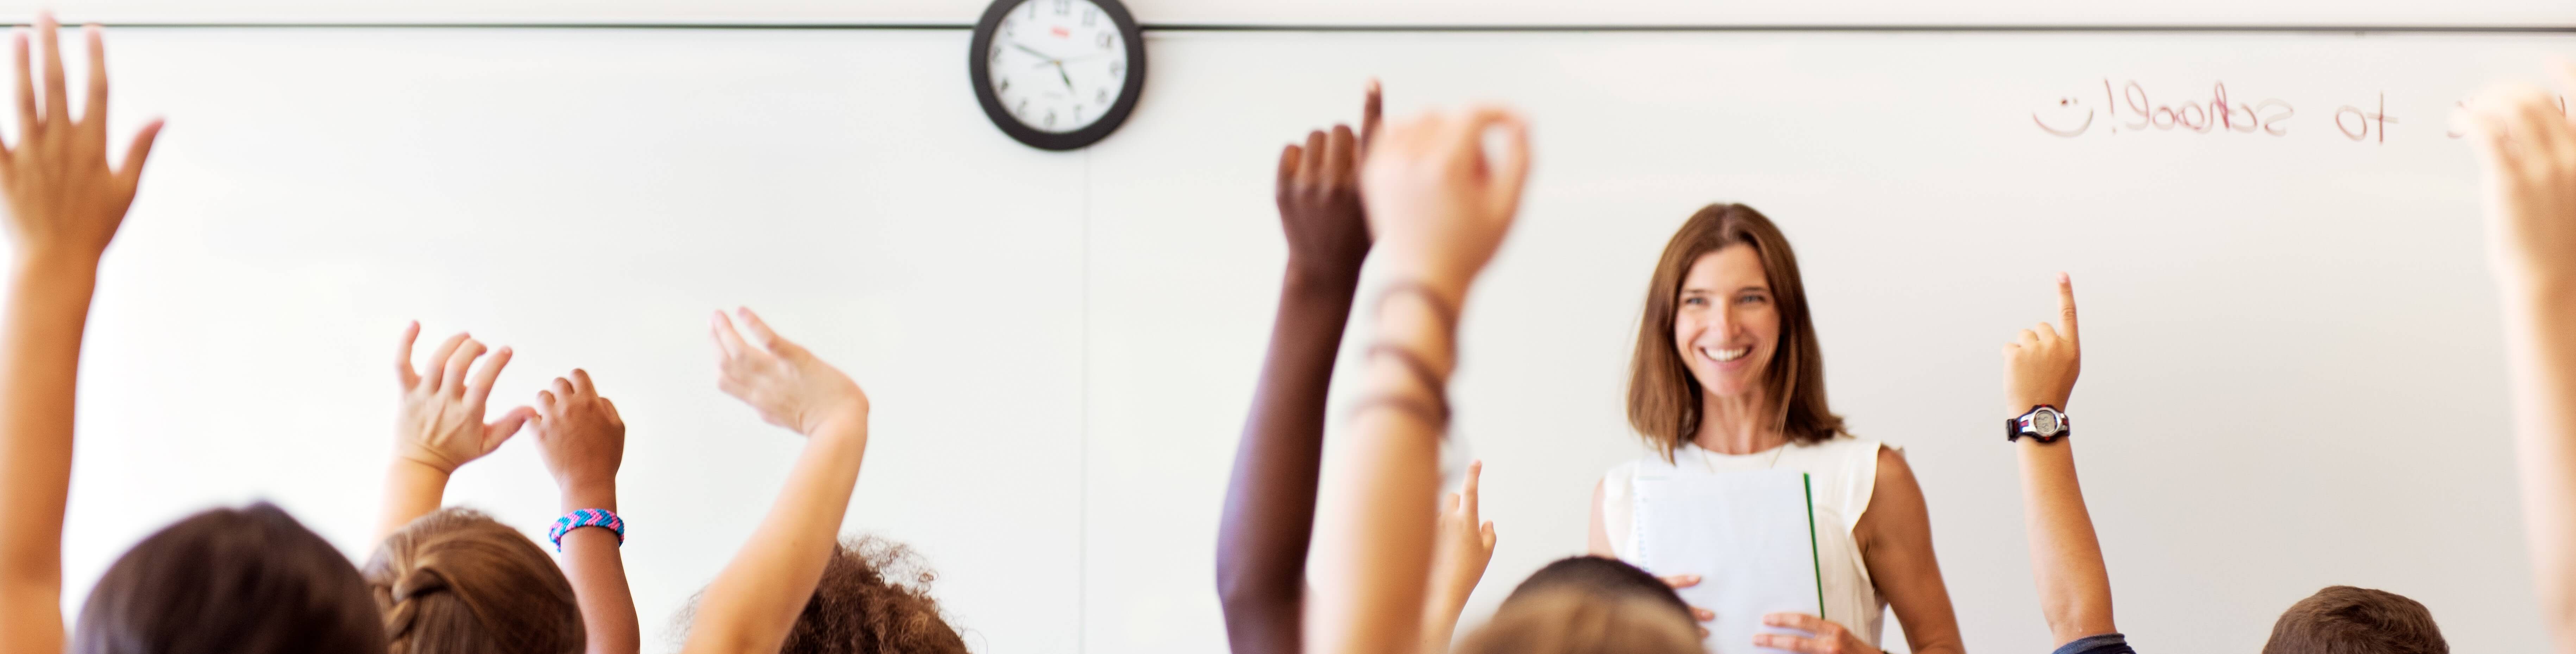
(2293, 378)
(2528, 13)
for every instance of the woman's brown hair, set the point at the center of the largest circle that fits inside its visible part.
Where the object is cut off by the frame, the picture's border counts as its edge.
(248, 581)
(1664, 403)
(458, 581)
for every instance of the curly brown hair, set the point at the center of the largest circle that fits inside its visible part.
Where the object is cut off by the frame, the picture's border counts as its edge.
(874, 598)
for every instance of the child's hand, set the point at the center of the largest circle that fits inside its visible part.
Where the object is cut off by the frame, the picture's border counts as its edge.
(1319, 197)
(442, 409)
(2529, 151)
(580, 437)
(63, 198)
(1438, 203)
(1466, 544)
(2040, 368)
(781, 379)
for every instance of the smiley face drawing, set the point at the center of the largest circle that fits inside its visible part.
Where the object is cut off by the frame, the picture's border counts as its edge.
(2064, 114)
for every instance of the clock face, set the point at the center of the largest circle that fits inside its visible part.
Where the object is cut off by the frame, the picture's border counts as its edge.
(1057, 66)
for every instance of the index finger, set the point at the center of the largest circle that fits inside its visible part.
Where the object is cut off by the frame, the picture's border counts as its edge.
(402, 358)
(94, 114)
(1371, 112)
(1474, 469)
(581, 383)
(728, 343)
(2066, 305)
(1799, 621)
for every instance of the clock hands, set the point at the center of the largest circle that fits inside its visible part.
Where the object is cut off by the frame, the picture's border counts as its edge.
(1068, 78)
(1027, 49)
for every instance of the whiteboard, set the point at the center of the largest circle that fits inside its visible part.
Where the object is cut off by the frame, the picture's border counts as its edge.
(1261, 13)
(2293, 375)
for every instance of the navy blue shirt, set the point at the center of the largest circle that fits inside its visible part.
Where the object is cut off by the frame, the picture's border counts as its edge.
(2103, 644)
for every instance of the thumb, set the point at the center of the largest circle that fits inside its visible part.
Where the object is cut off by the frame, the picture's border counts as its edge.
(500, 431)
(1489, 534)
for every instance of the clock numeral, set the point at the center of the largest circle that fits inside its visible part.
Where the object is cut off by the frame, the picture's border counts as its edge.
(1118, 68)
(997, 53)
(1101, 97)
(1090, 15)
(1106, 38)
(1063, 7)
(1003, 87)
(1050, 118)
(1023, 109)
(1033, 10)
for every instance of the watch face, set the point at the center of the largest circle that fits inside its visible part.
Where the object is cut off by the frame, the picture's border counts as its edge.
(2044, 422)
(1057, 74)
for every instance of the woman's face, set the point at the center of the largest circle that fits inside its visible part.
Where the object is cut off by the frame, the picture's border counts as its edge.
(1726, 325)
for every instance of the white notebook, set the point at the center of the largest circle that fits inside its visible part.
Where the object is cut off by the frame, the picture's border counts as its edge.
(1749, 535)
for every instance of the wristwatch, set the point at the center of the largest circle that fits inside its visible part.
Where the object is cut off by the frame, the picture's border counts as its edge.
(2044, 423)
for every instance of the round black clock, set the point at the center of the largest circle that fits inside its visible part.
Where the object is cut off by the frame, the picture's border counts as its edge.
(1057, 74)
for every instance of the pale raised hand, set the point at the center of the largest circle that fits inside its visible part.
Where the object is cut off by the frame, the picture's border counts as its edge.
(2529, 151)
(442, 425)
(780, 379)
(2040, 367)
(64, 199)
(1439, 203)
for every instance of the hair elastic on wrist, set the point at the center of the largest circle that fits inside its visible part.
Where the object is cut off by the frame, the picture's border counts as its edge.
(1413, 362)
(1437, 415)
(601, 518)
(1439, 305)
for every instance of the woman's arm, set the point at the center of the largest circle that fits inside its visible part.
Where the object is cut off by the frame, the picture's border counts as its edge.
(1895, 535)
(441, 425)
(1439, 207)
(1270, 502)
(754, 602)
(583, 442)
(2529, 156)
(64, 204)
(2065, 557)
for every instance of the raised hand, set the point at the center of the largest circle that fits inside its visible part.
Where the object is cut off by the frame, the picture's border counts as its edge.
(442, 425)
(1829, 637)
(580, 437)
(1466, 543)
(784, 382)
(63, 197)
(1319, 197)
(1438, 203)
(2040, 367)
(2529, 151)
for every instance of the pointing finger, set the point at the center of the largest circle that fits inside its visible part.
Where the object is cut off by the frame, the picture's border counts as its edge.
(437, 372)
(1372, 112)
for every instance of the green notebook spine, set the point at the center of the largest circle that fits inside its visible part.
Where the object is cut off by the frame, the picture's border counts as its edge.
(1815, 555)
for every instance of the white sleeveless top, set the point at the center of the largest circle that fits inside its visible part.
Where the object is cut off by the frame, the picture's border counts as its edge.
(1843, 470)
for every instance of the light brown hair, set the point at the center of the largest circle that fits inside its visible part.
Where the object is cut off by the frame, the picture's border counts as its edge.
(458, 581)
(1568, 620)
(2348, 620)
(249, 581)
(1664, 403)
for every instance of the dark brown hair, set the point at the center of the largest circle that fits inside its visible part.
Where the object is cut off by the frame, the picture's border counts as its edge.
(458, 581)
(874, 598)
(2348, 620)
(250, 580)
(1568, 620)
(1664, 403)
(1599, 575)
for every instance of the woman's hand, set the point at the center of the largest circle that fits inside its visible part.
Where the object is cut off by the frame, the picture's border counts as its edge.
(1438, 203)
(1830, 638)
(442, 426)
(2040, 367)
(581, 439)
(2529, 152)
(780, 379)
(64, 199)
(1319, 198)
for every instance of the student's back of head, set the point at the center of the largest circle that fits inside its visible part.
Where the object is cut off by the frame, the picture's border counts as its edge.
(250, 580)
(1600, 575)
(456, 581)
(2348, 620)
(874, 598)
(1571, 619)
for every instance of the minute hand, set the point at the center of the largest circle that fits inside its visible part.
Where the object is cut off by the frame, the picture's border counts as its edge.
(1041, 55)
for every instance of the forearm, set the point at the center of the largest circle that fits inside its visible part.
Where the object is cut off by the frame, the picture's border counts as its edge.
(412, 490)
(2065, 558)
(1377, 531)
(1440, 612)
(1270, 501)
(754, 602)
(48, 305)
(598, 574)
(2540, 324)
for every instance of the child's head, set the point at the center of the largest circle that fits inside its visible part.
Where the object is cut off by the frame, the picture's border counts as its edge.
(250, 580)
(875, 598)
(457, 581)
(1591, 605)
(2348, 620)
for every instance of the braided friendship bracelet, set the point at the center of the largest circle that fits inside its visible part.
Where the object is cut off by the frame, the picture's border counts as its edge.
(601, 518)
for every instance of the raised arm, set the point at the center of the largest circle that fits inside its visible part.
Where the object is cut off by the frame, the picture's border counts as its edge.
(1466, 546)
(1439, 206)
(441, 424)
(583, 441)
(2529, 155)
(2066, 560)
(64, 203)
(754, 602)
(1270, 502)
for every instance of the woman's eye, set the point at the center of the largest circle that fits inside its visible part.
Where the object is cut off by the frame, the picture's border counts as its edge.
(1752, 299)
(1694, 301)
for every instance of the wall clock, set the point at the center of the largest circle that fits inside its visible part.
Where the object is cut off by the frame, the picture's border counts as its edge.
(1057, 74)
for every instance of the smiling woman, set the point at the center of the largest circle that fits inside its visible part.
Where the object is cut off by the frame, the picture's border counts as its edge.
(1728, 375)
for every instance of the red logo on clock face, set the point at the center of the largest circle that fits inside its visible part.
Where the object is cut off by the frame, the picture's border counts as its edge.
(1060, 32)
